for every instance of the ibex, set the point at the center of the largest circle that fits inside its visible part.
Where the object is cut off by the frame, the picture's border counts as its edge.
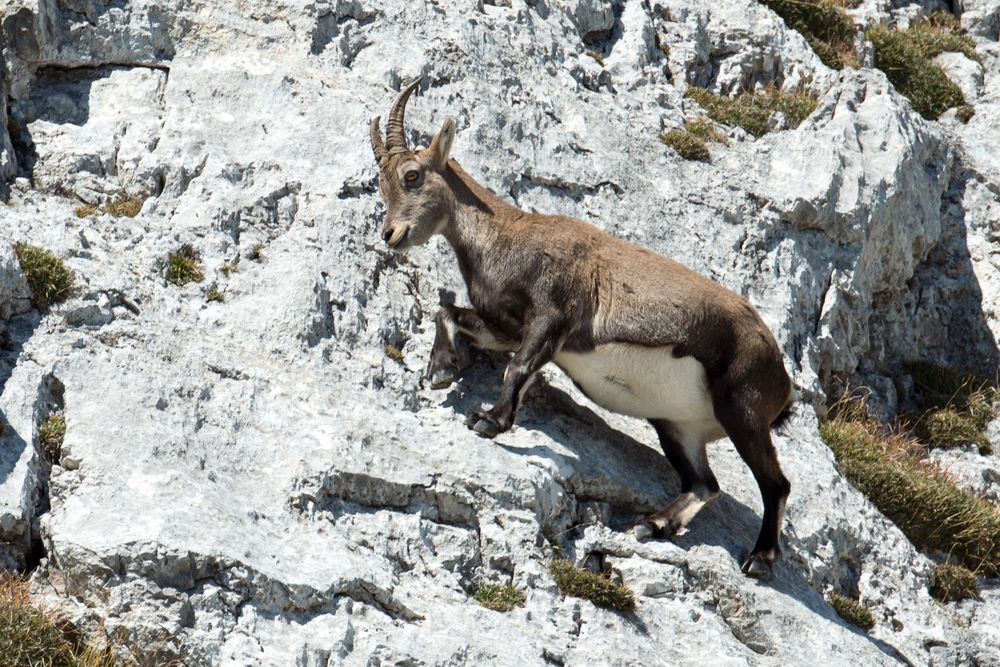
(638, 333)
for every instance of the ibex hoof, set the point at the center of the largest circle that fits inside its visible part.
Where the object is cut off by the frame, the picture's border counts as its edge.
(642, 531)
(485, 428)
(756, 566)
(442, 378)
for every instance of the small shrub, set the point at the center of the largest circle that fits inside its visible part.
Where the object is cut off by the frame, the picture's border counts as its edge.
(577, 582)
(49, 279)
(953, 583)
(183, 266)
(825, 25)
(852, 611)
(214, 295)
(124, 206)
(686, 144)
(393, 353)
(906, 58)
(925, 503)
(596, 56)
(31, 636)
(753, 111)
(86, 210)
(498, 597)
(50, 436)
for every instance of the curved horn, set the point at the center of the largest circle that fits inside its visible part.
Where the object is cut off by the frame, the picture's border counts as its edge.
(394, 134)
(381, 154)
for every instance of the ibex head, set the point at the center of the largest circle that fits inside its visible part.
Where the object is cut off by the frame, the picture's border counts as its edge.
(419, 201)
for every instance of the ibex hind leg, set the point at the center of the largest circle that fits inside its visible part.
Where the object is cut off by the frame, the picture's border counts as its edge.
(685, 449)
(750, 433)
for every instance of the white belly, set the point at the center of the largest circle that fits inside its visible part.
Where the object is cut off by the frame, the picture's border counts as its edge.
(646, 382)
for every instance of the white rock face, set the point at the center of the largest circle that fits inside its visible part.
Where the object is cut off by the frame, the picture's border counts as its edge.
(254, 481)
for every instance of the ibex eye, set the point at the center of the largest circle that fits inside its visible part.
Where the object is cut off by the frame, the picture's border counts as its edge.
(411, 176)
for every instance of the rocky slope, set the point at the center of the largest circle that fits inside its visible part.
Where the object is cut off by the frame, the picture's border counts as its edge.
(255, 481)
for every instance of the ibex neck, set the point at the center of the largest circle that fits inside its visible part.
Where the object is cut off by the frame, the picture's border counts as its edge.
(479, 219)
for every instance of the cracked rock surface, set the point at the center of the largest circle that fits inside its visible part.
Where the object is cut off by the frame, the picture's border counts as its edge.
(257, 481)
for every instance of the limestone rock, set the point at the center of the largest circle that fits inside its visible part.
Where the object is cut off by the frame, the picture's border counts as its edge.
(260, 480)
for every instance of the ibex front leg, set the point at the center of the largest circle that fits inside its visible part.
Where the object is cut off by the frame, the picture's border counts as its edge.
(451, 322)
(539, 343)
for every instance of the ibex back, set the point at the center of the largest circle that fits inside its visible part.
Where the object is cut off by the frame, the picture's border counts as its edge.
(638, 333)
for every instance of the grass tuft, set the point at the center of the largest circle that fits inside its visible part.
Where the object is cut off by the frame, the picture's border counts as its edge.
(906, 58)
(691, 142)
(214, 295)
(49, 279)
(394, 353)
(825, 25)
(577, 582)
(86, 210)
(953, 583)
(50, 436)
(957, 406)
(183, 266)
(256, 253)
(124, 206)
(935, 514)
(228, 268)
(852, 611)
(596, 56)
(31, 636)
(686, 144)
(498, 597)
(753, 111)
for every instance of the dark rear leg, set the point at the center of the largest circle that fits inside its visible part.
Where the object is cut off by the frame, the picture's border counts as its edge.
(450, 323)
(751, 434)
(686, 453)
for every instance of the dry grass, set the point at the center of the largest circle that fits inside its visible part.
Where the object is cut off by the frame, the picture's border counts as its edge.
(888, 466)
(214, 295)
(124, 206)
(183, 266)
(394, 353)
(953, 583)
(86, 210)
(906, 58)
(753, 111)
(824, 24)
(49, 279)
(956, 407)
(229, 268)
(686, 144)
(498, 597)
(852, 611)
(577, 582)
(31, 636)
(256, 252)
(597, 57)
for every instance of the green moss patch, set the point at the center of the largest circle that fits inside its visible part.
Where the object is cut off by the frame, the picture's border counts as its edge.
(852, 611)
(49, 279)
(906, 58)
(934, 513)
(184, 266)
(753, 111)
(953, 583)
(825, 25)
(577, 582)
(498, 597)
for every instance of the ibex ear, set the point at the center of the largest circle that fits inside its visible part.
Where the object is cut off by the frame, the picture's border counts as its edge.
(441, 146)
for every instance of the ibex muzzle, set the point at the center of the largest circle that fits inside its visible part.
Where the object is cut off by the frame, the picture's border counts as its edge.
(638, 333)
